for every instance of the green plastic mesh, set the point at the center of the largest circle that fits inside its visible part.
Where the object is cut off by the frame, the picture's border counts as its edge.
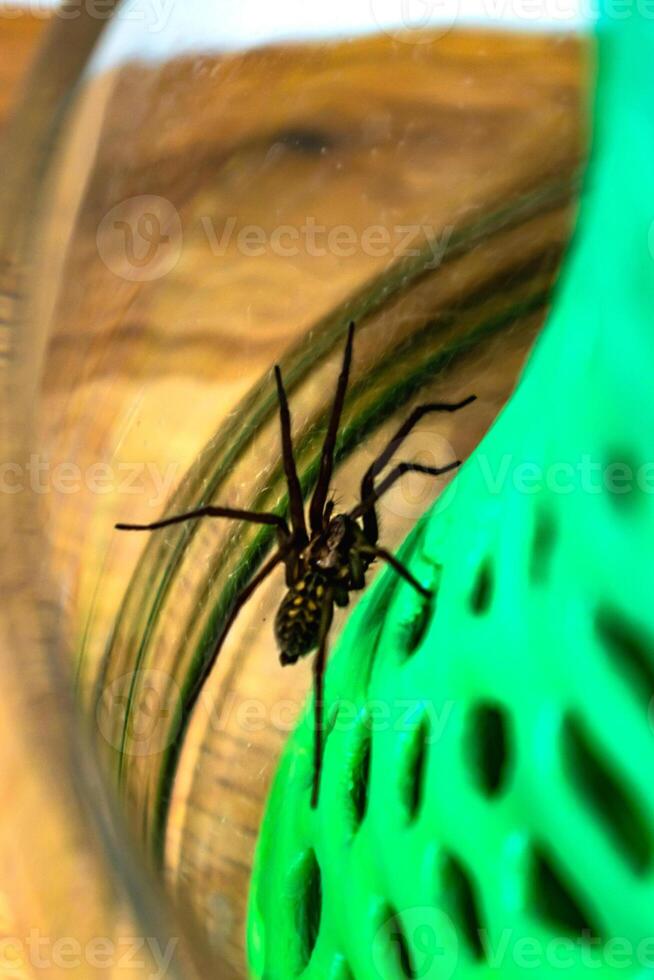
(487, 801)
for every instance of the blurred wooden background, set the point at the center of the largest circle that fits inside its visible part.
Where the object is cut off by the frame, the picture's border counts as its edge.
(19, 37)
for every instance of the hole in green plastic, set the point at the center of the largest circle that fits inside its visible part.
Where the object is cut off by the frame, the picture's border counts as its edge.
(415, 766)
(488, 746)
(340, 969)
(307, 886)
(605, 794)
(398, 943)
(360, 778)
(412, 631)
(459, 893)
(552, 899)
(620, 480)
(542, 547)
(630, 651)
(482, 592)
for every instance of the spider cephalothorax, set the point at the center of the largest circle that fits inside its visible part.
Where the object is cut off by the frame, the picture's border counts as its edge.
(335, 562)
(341, 552)
(327, 560)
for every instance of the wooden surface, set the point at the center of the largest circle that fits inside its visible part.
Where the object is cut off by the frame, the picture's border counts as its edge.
(19, 38)
(152, 350)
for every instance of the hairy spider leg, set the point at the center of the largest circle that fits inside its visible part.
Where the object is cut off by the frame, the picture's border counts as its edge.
(210, 510)
(385, 555)
(317, 505)
(398, 471)
(370, 524)
(295, 499)
(319, 664)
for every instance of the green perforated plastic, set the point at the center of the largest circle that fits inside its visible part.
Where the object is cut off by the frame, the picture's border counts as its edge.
(487, 801)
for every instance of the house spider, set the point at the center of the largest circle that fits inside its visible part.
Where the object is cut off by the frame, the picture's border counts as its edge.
(329, 559)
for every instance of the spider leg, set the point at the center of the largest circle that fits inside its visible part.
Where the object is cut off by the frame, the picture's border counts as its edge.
(368, 482)
(400, 568)
(319, 664)
(317, 506)
(238, 604)
(295, 499)
(394, 475)
(210, 511)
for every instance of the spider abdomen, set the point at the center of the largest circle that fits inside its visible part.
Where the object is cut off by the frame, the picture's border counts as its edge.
(297, 623)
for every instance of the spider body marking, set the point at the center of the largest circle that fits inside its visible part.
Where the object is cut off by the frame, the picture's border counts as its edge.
(325, 561)
(335, 561)
(297, 623)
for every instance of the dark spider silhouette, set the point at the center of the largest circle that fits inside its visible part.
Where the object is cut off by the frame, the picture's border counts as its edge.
(327, 561)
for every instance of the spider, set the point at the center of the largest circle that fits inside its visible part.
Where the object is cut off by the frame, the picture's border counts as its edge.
(327, 560)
